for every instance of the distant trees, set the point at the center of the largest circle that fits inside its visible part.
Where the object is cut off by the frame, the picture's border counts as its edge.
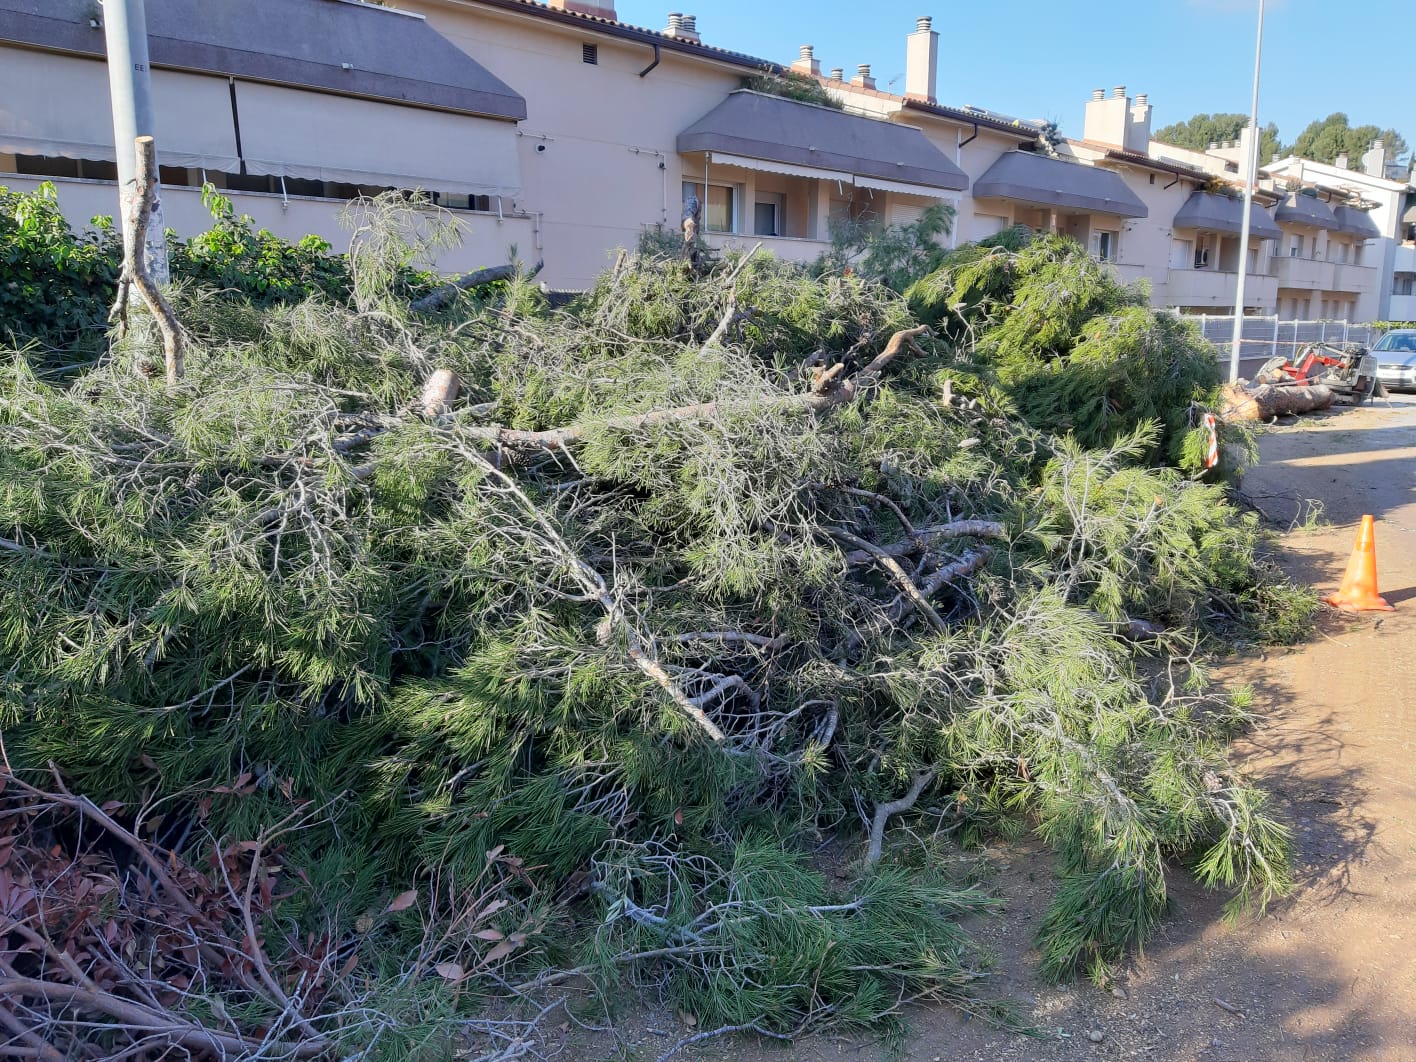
(1205, 129)
(1323, 140)
(1332, 136)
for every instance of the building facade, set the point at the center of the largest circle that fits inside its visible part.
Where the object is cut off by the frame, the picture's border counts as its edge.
(559, 134)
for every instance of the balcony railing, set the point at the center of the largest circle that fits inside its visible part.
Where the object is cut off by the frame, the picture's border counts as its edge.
(1403, 308)
(1213, 287)
(1304, 273)
(1358, 279)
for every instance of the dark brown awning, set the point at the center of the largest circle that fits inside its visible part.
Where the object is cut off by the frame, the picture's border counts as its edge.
(1222, 213)
(1032, 178)
(757, 126)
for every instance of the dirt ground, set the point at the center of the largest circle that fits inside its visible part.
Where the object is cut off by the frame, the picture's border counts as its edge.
(1329, 973)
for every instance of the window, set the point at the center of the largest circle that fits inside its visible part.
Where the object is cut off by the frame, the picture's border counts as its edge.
(1182, 254)
(52, 166)
(986, 225)
(767, 215)
(1202, 252)
(719, 213)
(590, 53)
(1103, 246)
(1405, 284)
(454, 201)
(1253, 259)
(1296, 249)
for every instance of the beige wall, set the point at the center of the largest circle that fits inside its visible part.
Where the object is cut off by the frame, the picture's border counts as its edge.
(605, 131)
(485, 238)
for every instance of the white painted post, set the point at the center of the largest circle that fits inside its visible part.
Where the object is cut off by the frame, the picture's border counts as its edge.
(1251, 165)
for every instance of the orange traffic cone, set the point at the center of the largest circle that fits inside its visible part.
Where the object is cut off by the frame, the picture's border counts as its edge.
(1359, 585)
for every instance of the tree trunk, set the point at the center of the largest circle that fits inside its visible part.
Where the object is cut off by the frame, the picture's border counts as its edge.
(1267, 401)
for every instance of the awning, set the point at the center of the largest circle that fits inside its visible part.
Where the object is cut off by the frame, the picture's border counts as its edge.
(722, 158)
(1306, 210)
(1214, 212)
(1356, 222)
(58, 105)
(902, 188)
(290, 133)
(757, 126)
(1032, 178)
(354, 49)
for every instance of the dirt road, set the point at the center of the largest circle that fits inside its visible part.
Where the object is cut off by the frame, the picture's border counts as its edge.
(1329, 973)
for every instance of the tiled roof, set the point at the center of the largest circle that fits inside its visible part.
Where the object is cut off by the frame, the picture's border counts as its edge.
(626, 31)
(1014, 127)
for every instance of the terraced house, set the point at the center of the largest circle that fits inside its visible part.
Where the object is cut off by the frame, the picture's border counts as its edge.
(560, 134)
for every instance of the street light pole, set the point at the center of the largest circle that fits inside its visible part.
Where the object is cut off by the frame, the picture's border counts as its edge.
(1251, 176)
(130, 87)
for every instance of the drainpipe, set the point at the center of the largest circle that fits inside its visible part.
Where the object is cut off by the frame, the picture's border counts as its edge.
(651, 66)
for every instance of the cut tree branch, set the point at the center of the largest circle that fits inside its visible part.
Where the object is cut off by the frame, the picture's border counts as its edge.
(831, 389)
(925, 536)
(135, 266)
(440, 297)
(894, 807)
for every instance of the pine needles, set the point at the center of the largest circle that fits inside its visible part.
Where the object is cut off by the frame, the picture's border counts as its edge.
(641, 658)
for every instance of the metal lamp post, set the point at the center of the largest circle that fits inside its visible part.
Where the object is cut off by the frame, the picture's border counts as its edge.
(1251, 167)
(130, 87)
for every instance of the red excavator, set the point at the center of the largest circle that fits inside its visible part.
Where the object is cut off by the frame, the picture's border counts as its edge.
(1350, 372)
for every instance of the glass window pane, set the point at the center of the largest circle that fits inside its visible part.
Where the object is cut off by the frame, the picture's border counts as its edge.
(719, 214)
(764, 219)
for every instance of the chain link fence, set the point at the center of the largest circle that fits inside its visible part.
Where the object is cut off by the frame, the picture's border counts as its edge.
(1268, 337)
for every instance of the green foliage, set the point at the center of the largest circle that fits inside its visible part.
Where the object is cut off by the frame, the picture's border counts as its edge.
(56, 286)
(274, 584)
(1323, 140)
(1073, 349)
(894, 255)
(792, 85)
(1202, 130)
(256, 266)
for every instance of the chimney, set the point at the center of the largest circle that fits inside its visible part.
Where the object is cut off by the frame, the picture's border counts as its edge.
(807, 63)
(1138, 125)
(1341, 161)
(600, 9)
(863, 78)
(675, 26)
(1108, 121)
(690, 27)
(1374, 162)
(922, 61)
(837, 74)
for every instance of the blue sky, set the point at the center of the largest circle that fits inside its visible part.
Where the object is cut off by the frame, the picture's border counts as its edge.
(1038, 59)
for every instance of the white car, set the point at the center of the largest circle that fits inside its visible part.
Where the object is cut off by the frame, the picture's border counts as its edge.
(1396, 359)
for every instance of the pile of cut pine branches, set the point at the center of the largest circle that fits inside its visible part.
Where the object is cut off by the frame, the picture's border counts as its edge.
(491, 657)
